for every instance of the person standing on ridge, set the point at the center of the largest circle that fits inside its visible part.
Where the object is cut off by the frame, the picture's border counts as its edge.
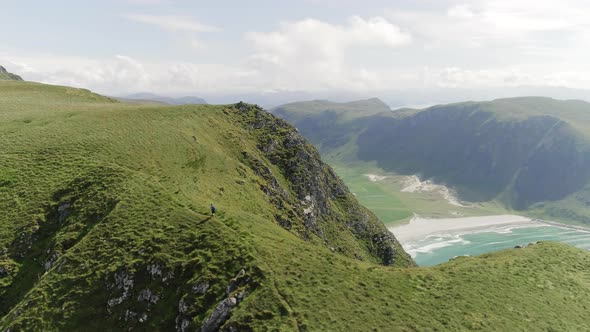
(212, 210)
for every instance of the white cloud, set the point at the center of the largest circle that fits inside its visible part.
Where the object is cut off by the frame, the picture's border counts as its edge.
(105, 75)
(480, 44)
(172, 22)
(329, 39)
(120, 75)
(375, 31)
(313, 53)
(496, 21)
(461, 12)
(483, 43)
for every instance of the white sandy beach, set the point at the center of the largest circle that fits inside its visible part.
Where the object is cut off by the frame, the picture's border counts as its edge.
(375, 177)
(419, 228)
(413, 184)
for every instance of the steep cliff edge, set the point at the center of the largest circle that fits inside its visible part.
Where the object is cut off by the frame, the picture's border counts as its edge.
(326, 206)
(106, 210)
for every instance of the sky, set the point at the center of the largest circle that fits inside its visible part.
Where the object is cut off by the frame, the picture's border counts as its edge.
(300, 47)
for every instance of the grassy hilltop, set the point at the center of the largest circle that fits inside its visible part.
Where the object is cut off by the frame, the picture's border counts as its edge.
(105, 226)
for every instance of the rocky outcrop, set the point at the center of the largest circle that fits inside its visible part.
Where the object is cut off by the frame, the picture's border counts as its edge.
(522, 246)
(7, 267)
(122, 286)
(222, 312)
(235, 291)
(316, 194)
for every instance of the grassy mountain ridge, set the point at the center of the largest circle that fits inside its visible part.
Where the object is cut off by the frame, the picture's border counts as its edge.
(6, 76)
(106, 226)
(297, 111)
(360, 107)
(329, 124)
(86, 180)
(531, 153)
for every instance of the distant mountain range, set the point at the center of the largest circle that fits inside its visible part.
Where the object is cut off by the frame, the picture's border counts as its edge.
(146, 97)
(398, 98)
(358, 108)
(530, 153)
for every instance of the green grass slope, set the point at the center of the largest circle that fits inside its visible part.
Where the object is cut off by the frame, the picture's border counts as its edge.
(544, 287)
(100, 197)
(105, 226)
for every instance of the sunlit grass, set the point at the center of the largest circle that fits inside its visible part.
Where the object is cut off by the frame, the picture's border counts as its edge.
(140, 180)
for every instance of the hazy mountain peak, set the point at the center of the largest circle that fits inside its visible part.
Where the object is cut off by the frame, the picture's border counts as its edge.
(152, 97)
(373, 103)
(351, 109)
(7, 76)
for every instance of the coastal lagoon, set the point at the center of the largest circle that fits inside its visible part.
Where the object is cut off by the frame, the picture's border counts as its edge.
(453, 227)
(434, 241)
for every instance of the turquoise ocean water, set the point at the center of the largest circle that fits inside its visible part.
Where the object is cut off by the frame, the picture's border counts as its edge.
(439, 248)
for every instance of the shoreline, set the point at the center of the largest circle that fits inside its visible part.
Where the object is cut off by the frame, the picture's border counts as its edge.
(419, 228)
(562, 225)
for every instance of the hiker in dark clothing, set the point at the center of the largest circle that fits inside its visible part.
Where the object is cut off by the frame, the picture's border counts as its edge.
(212, 210)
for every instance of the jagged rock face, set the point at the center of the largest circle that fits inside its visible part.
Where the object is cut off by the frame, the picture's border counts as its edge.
(316, 194)
(221, 313)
